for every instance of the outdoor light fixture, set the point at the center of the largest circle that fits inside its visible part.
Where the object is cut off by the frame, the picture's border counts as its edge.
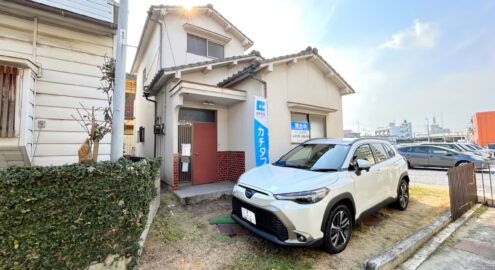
(208, 103)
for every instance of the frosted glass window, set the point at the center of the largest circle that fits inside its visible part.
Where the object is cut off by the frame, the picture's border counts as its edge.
(215, 50)
(317, 126)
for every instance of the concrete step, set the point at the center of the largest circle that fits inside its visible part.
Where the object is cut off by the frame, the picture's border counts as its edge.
(206, 192)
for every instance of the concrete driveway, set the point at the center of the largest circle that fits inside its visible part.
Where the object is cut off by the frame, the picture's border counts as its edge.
(470, 247)
(438, 177)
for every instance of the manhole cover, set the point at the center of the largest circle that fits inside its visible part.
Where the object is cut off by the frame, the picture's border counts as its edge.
(371, 220)
(230, 229)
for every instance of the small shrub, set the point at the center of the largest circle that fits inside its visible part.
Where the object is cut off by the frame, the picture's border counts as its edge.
(67, 217)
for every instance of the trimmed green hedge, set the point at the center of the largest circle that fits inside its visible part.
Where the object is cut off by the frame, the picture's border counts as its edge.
(67, 217)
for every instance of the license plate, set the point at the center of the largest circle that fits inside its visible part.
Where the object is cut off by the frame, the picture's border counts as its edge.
(248, 215)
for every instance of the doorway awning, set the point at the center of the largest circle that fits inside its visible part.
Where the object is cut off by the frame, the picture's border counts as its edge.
(207, 94)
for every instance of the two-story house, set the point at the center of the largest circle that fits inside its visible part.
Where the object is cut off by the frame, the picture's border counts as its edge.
(49, 57)
(211, 110)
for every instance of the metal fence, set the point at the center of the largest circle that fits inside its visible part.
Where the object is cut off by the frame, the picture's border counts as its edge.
(185, 137)
(462, 189)
(486, 183)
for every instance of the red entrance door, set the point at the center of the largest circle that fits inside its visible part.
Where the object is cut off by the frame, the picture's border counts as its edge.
(204, 145)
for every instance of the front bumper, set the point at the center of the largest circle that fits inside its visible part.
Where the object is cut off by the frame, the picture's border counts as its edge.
(271, 224)
(272, 238)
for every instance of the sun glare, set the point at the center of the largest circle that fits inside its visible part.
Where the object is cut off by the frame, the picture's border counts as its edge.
(188, 6)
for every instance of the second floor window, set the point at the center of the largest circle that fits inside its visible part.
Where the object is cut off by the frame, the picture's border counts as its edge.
(202, 46)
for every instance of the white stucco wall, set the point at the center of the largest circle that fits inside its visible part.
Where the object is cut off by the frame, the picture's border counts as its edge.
(302, 82)
(144, 109)
(175, 42)
(174, 54)
(241, 121)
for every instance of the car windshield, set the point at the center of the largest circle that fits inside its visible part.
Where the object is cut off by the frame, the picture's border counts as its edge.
(463, 147)
(315, 157)
(477, 147)
(469, 147)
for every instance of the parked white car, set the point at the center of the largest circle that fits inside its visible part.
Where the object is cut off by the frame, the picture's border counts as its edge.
(316, 192)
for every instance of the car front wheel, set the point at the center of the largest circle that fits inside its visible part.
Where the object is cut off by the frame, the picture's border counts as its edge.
(402, 195)
(338, 229)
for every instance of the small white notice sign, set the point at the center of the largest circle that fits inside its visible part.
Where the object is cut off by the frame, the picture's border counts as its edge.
(186, 150)
(185, 166)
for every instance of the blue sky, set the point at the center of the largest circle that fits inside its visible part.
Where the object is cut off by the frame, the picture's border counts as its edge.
(405, 59)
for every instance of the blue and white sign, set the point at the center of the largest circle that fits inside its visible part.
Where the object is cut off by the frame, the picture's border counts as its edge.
(261, 149)
(299, 131)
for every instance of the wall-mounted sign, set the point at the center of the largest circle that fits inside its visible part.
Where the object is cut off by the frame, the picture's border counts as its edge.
(186, 150)
(299, 132)
(261, 146)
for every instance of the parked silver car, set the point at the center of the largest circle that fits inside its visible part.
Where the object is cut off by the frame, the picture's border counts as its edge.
(435, 156)
(479, 150)
(471, 149)
(450, 146)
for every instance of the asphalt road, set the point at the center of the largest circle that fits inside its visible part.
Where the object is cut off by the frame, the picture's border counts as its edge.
(438, 177)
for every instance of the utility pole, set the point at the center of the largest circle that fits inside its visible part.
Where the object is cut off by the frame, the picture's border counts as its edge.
(428, 128)
(117, 147)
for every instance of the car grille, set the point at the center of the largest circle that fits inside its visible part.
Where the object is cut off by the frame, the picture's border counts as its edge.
(265, 220)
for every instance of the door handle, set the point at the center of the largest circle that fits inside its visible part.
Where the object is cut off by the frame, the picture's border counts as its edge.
(196, 153)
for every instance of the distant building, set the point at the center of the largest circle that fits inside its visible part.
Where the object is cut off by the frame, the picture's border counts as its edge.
(402, 132)
(382, 131)
(437, 129)
(484, 128)
(349, 133)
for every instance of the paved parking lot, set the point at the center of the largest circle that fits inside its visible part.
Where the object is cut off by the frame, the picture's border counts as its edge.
(438, 177)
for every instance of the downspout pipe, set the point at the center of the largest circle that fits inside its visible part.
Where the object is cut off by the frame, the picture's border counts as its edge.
(146, 94)
(259, 80)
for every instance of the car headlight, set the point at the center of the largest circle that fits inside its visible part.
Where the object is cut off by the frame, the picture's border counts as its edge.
(304, 197)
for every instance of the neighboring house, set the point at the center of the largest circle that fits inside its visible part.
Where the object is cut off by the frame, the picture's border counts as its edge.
(192, 63)
(130, 96)
(49, 57)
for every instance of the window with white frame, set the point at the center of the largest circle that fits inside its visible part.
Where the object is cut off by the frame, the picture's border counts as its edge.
(307, 126)
(205, 47)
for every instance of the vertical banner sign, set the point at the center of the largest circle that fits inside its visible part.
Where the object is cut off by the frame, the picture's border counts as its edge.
(261, 148)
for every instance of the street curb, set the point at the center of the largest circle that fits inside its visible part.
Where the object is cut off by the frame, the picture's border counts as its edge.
(400, 251)
(424, 252)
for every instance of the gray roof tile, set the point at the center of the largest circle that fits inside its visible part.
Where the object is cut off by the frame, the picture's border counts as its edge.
(202, 63)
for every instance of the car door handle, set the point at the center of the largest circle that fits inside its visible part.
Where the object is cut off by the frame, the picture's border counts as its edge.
(196, 153)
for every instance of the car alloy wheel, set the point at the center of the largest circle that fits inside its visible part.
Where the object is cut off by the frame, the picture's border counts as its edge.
(403, 195)
(339, 228)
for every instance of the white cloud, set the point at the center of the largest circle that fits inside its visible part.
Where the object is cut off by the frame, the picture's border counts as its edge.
(418, 35)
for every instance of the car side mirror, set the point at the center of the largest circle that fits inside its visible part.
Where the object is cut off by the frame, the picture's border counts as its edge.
(363, 164)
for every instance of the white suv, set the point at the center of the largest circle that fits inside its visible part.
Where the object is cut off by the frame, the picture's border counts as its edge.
(315, 193)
